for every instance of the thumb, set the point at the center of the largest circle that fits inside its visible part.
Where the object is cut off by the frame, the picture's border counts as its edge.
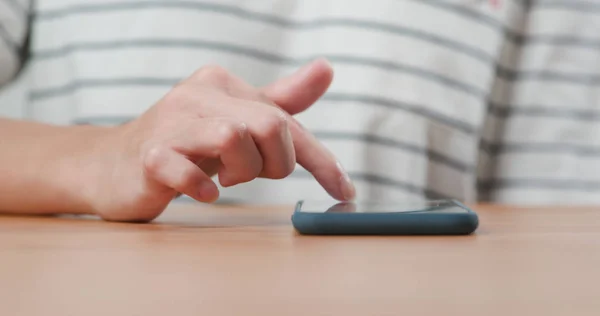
(300, 90)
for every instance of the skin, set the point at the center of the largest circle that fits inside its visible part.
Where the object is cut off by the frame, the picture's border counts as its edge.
(210, 124)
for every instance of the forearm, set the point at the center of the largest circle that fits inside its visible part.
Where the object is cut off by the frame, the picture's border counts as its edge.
(42, 167)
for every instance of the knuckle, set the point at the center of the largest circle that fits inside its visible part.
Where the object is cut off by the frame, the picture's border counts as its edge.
(230, 134)
(213, 73)
(274, 123)
(155, 159)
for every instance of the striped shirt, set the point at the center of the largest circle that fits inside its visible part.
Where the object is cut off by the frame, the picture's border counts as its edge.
(479, 100)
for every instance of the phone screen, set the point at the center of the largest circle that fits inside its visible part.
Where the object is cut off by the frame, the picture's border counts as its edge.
(438, 206)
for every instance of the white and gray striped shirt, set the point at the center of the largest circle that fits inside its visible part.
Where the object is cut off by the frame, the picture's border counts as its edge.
(488, 100)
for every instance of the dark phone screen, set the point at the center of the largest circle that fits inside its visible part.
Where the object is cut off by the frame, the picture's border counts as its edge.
(437, 206)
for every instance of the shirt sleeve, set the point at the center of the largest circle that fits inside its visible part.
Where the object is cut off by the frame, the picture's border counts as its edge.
(13, 32)
(540, 137)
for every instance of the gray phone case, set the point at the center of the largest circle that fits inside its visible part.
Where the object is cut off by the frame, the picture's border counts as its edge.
(418, 222)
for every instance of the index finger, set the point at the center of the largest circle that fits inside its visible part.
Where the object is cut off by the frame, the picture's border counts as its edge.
(321, 163)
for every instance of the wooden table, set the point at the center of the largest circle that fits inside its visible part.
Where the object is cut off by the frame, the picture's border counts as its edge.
(199, 260)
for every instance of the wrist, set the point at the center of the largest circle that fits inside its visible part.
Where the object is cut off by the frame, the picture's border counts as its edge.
(81, 166)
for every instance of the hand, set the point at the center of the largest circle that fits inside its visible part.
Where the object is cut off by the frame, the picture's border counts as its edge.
(212, 123)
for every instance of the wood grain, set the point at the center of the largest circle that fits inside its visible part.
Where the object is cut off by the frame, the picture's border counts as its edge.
(201, 260)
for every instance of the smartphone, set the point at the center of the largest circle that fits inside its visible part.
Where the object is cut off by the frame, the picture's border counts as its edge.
(440, 217)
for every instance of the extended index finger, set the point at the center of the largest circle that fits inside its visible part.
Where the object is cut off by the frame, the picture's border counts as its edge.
(321, 163)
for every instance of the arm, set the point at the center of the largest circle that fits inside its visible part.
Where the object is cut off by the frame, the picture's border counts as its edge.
(42, 166)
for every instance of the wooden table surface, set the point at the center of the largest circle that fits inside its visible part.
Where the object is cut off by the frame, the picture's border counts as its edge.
(200, 260)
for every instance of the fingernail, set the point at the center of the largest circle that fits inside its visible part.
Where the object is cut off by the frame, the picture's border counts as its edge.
(348, 189)
(208, 191)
